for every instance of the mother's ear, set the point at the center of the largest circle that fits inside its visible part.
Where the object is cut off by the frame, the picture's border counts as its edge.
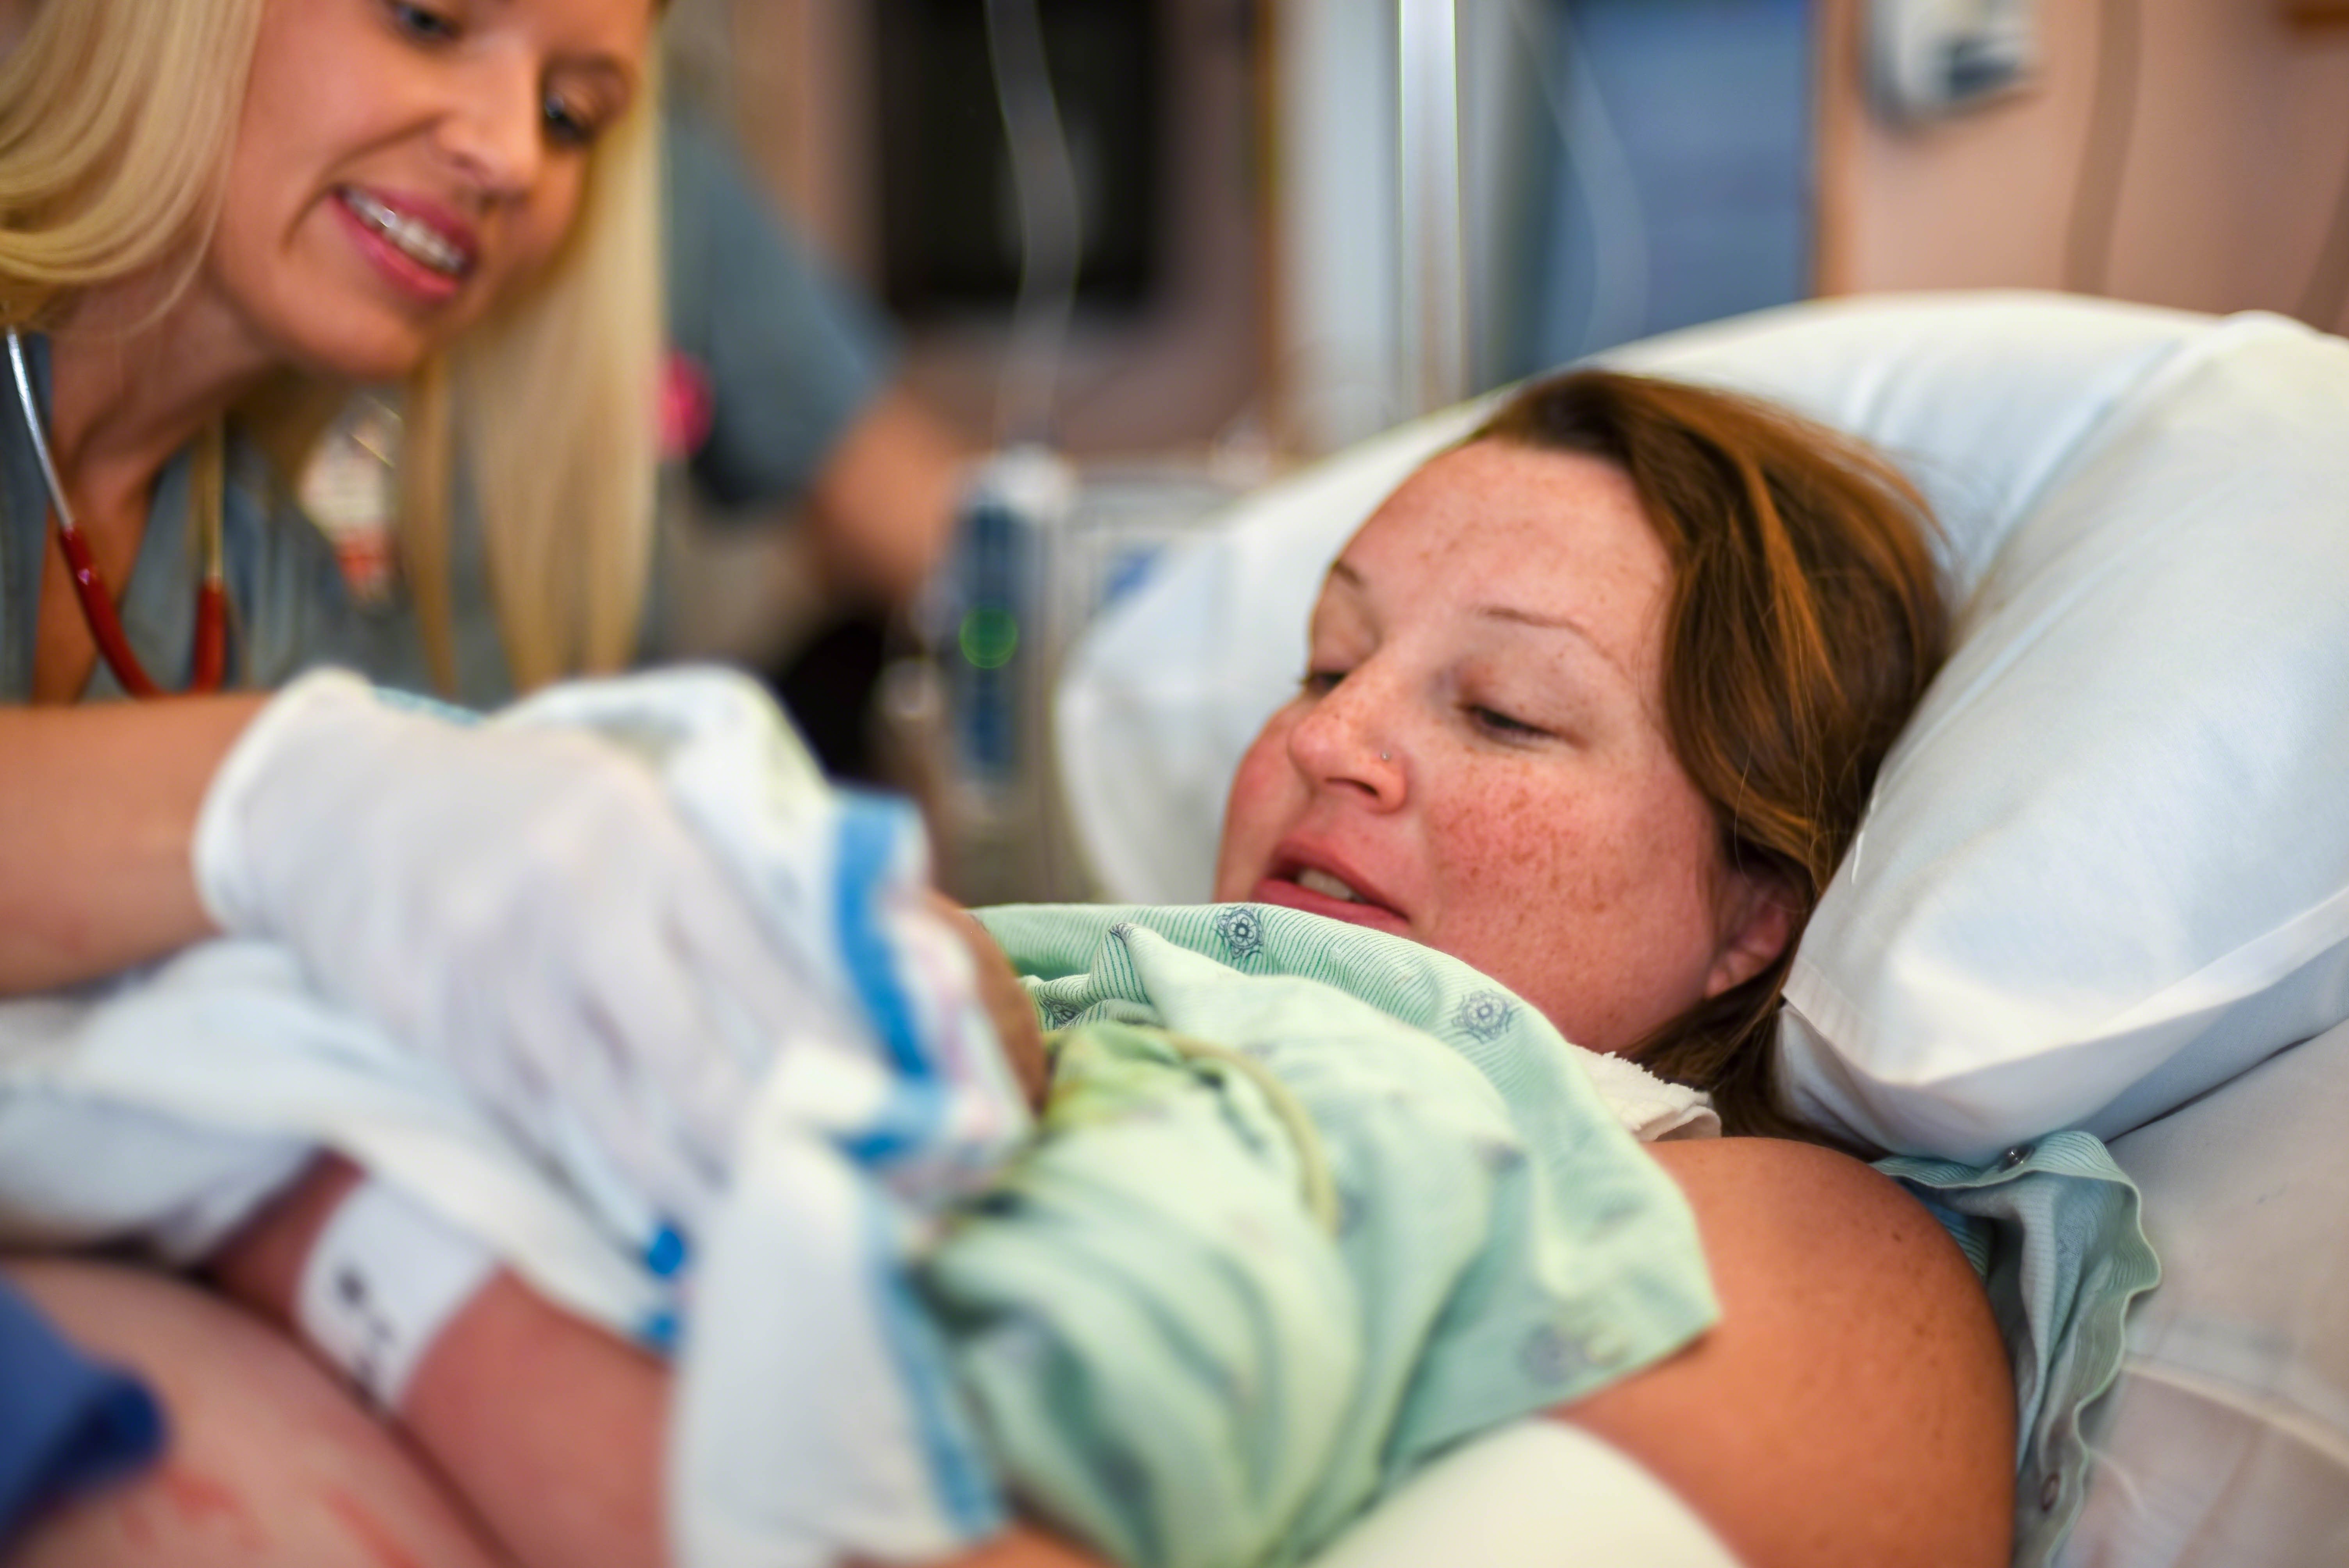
(1757, 919)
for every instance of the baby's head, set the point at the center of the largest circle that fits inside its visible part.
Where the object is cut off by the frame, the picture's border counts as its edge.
(1594, 703)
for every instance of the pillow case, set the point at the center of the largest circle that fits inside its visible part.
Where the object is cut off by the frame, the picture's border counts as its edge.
(2106, 867)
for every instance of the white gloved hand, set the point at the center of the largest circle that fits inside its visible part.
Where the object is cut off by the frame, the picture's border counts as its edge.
(524, 903)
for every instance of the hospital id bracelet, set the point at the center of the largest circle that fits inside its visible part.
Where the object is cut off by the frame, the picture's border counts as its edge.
(382, 1280)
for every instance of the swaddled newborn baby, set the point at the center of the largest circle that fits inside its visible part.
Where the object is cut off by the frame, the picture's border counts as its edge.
(1306, 1203)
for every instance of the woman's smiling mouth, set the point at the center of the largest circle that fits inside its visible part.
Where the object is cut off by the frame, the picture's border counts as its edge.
(412, 237)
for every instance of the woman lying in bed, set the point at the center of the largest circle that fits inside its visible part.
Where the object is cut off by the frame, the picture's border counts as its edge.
(1593, 704)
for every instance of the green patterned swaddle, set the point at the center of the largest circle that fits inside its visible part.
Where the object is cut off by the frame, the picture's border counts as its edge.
(1310, 1204)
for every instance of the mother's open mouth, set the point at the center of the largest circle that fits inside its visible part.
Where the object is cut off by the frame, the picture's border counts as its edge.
(1319, 889)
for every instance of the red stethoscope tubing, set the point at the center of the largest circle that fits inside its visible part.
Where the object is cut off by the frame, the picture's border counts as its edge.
(210, 661)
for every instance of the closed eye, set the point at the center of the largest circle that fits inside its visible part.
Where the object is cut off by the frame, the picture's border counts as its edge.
(1321, 683)
(1495, 722)
(422, 23)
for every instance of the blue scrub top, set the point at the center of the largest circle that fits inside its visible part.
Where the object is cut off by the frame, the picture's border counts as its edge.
(289, 609)
(790, 354)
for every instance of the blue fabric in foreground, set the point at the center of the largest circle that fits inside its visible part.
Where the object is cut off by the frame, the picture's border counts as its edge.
(67, 1424)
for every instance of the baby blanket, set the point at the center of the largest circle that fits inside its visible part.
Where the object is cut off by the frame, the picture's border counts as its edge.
(1307, 1205)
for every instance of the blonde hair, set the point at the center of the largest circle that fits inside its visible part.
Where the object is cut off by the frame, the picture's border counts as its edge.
(116, 120)
(566, 501)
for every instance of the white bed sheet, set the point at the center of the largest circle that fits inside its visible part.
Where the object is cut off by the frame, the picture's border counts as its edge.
(1535, 1494)
(2225, 1444)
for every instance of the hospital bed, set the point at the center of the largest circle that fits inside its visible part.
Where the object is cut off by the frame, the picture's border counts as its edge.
(2103, 882)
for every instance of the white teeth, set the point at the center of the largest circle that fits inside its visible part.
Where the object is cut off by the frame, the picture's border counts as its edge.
(1323, 883)
(415, 240)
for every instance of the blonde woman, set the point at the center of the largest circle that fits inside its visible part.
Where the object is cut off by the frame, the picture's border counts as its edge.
(216, 217)
(221, 214)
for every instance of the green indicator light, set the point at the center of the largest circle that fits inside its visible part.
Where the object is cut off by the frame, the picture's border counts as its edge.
(990, 636)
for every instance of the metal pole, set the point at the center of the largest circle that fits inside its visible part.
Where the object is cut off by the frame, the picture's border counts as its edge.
(1433, 340)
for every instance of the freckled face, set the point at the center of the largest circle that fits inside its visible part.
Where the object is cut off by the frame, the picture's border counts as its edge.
(1477, 760)
(401, 166)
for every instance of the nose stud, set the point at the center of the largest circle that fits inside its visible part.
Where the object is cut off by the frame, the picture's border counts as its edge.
(1384, 758)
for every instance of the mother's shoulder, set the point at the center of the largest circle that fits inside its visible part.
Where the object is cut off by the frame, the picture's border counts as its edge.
(1820, 1195)
(1853, 1405)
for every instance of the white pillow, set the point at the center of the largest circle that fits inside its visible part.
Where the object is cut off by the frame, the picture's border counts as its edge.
(2107, 866)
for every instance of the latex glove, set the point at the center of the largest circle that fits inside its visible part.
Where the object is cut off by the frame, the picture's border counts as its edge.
(523, 902)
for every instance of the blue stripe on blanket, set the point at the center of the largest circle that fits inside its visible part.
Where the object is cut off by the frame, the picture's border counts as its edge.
(964, 1476)
(872, 832)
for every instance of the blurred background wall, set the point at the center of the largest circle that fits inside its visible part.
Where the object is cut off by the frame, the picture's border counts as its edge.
(2181, 152)
(1626, 166)
(1209, 248)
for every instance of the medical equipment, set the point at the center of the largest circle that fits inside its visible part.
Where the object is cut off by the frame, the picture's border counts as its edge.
(1432, 238)
(1928, 58)
(381, 1281)
(211, 657)
(1044, 547)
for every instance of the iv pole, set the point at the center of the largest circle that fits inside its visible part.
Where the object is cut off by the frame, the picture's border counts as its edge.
(1433, 291)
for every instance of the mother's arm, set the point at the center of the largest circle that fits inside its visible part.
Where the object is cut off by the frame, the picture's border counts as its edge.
(1854, 1405)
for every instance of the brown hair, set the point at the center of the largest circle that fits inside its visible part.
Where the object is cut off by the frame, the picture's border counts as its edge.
(1806, 615)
